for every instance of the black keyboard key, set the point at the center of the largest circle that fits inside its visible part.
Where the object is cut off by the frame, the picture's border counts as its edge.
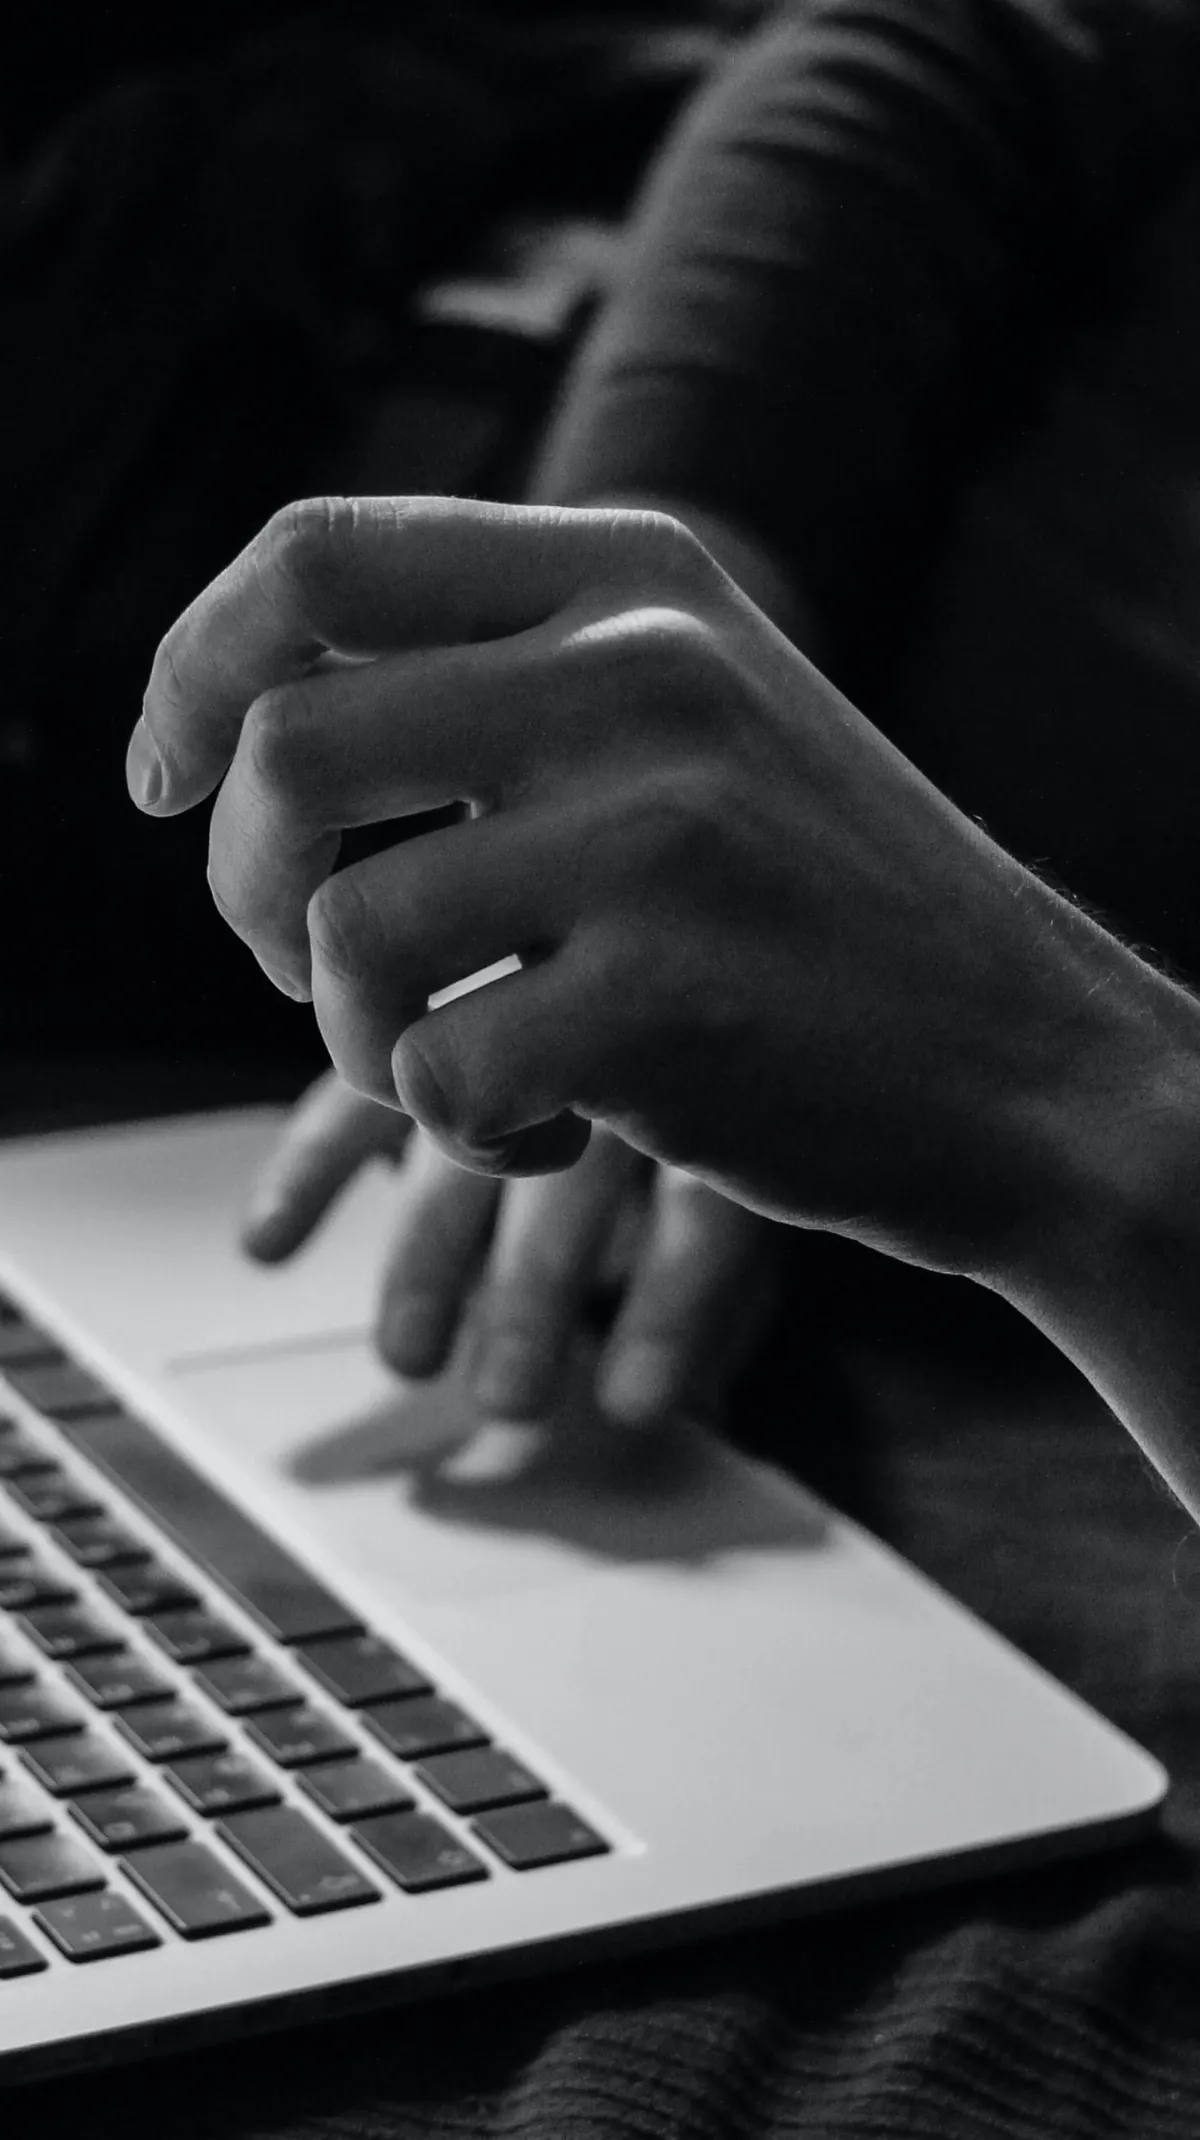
(51, 1496)
(162, 1731)
(99, 1542)
(241, 1685)
(357, 1669)
(417, 1852)
(22, 1342)
(31, 1581)
(529, 1836)
(481, 1776)
(297, 1862)
(70, 1631)
(189, 1637)
(222, 1783)
(82, 1762)
(96, 1927)
(277, 1592)
(130, 1819)
(149, 1587)
(43, 1865)
(60, 1388)
(424, 1726)
(16, 1664)
(36, 1712)
(22, 1812)
(21, 1455)
(195, 1891)
(18, 1955)
(120, 1680)
(296, 1737)
(350, 1790)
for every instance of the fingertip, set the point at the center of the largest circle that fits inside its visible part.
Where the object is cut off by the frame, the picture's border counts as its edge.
(143, 769)
(412, 1336)
(270, 1236)
(640, 1386)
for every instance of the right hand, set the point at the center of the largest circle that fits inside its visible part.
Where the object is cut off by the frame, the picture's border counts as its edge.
(515, 1261)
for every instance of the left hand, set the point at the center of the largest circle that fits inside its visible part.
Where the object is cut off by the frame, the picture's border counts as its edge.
(514, 1262)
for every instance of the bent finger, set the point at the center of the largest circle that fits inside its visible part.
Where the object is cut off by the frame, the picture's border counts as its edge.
(362, 576)
(442, 1223)
(360, 746)
(550, 1237)
(695, 1305)
(392, 931)
(330, 1133)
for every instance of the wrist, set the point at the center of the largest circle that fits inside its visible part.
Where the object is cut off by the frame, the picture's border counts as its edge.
(1107, 1258)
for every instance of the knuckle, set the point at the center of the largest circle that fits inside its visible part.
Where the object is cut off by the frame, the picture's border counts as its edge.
(301, 537)
(658, 662)
(342, 928)
(278, 740)
(304, 549)
(434, 1087)
(672, 544)
(425, 1083)
(679, 824)
(683, 653)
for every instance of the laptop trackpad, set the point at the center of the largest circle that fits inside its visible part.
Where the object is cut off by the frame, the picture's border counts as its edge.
(403, 1483)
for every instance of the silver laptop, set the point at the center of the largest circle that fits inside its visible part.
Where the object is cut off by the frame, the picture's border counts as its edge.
(311, 1699)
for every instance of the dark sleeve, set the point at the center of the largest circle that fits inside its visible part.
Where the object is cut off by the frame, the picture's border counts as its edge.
(851, 260)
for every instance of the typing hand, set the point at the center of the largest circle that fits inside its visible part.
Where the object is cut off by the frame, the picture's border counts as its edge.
(757, 943)
(695, 1270)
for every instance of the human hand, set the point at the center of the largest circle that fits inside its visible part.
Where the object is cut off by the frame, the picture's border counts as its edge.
(757, 942)
(695, 1271)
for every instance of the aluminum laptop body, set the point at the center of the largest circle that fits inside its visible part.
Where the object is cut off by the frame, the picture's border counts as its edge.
(674, 1692)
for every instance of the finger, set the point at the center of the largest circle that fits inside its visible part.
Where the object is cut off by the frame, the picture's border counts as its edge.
(485, 1075)
(359, 746)
(694, 1306)
(361, 576)
(549, 1239)
(396, 928)
(442, 1224)
(326, 1139)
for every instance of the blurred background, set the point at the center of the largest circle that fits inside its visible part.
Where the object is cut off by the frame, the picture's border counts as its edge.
(249, 253)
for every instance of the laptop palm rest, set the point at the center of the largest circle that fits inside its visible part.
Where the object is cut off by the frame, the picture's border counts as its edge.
(402, 1482)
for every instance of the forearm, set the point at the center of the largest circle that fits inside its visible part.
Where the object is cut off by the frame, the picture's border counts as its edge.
(1110, 1265)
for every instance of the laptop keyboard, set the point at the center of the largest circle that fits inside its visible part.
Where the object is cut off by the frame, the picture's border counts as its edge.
(139, 1726)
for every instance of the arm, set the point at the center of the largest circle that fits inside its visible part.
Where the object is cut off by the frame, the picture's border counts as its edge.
(1109, 1265)
(849, 273)
(770, 951)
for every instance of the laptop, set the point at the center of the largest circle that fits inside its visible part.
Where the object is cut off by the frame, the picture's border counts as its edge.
(312, 1699)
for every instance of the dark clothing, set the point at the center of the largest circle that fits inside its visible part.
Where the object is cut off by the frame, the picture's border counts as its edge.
(915, 299)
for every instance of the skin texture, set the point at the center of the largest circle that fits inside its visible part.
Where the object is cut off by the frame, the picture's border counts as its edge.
(507, 1266)
(757, 944)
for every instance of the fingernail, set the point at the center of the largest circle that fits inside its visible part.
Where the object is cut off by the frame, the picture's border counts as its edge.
(510, 1380)
(288, 984)
(640, 1386)
(143, 769)
(412, 1335)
